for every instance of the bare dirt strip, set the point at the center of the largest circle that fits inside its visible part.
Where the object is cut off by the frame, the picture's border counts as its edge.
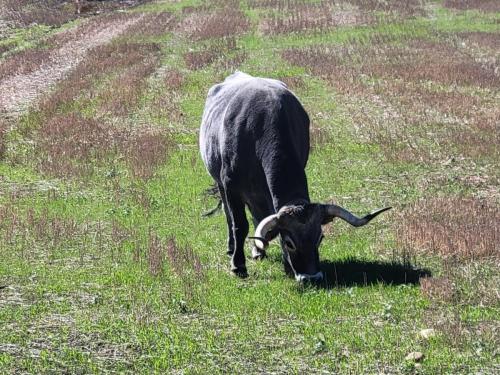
(21, 91)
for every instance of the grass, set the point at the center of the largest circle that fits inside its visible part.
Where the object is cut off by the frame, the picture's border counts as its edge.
(107, 265)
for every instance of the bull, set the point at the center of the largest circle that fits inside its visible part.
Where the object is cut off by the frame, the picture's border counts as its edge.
(254, 142)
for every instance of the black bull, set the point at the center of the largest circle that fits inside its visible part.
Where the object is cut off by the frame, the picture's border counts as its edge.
(254, 141)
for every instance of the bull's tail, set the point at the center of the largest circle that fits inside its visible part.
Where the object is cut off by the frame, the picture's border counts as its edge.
(213, 210)
(213, 191)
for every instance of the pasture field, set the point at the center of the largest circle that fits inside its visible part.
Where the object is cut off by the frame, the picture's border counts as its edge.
(106, 265)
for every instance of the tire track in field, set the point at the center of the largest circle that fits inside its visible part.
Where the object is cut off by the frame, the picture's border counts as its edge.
(19, 92)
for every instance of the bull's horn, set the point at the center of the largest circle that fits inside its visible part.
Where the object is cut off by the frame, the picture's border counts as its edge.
(332, 211)
(265, 227)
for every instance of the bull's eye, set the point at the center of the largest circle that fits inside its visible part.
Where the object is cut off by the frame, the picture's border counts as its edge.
(289, 243)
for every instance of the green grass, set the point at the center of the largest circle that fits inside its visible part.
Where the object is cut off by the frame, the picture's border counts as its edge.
(88, 302)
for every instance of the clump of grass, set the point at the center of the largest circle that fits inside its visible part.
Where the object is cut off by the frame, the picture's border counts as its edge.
(156, 255)
(293, 82)
(3, 139)
(190, 9)
(145, 151)
(188, 268)
(439, 289)
(461, 228)
(319, 136)
(183, 262)
(483, 5)
(5, 48)
(222, 23)
(174, 79)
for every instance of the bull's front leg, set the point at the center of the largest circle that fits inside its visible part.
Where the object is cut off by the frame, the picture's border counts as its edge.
(239, 231)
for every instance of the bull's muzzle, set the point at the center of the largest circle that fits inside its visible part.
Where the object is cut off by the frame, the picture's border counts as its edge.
(303, 277)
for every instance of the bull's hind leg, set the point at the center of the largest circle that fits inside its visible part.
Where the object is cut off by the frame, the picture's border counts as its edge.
(230, 236)
(239, 230)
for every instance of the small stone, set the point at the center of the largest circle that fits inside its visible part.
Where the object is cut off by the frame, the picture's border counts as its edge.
(415, 356)
(427, 333)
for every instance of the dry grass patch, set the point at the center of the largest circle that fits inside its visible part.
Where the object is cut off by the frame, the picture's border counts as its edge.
(54, 50)
(299, 16)
(483, 5)
(312, 17)
(38, 235)
(25, 61)
(70, 145)
(417, 61)
(405, 98)
(145, 151)
(439, 62)
(406, 8)
(432, 123)
(228, 22)
(462, 228)
(74, 146)
(27, 12)
(483, 39)
(87, 28)
(123, 93)
(132, 62)
(439, 289)
(174, 79)
(57, 12)
(154, 24)
(218, 49)
(293, 82)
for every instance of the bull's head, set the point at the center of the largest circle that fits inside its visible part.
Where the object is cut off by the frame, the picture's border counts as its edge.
(299, 227)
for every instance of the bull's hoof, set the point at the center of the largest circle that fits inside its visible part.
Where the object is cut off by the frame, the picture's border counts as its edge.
(258, 254)
(241, 272)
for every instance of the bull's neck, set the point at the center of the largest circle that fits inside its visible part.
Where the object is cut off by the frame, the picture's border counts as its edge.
(287, 184)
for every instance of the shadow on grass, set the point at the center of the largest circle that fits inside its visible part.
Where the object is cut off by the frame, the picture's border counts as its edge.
(353, 272)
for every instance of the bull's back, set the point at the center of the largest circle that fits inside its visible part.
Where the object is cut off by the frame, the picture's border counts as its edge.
(246, 118)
